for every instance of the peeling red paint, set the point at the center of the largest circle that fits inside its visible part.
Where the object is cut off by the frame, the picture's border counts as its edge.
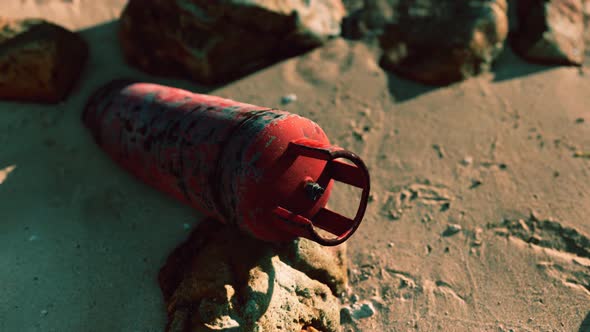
(232, 161)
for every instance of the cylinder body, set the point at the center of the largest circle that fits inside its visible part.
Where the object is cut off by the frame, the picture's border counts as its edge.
(226, 159)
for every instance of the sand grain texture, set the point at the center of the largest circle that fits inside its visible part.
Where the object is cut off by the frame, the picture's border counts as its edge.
(81, 241)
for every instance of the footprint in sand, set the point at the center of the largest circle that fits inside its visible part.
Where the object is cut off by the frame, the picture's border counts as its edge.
(567, 248)
(546, 234)
(576, 277)
(405, 286)
(402, 198)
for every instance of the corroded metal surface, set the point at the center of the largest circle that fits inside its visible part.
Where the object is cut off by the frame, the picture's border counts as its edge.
(239, 163)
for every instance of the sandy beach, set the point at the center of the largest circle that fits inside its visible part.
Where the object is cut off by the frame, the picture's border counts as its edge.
(81, 241)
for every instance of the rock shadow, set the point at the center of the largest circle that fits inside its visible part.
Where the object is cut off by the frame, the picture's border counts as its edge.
(107, 62)
(509, 65)
(200, 269)
(402, 89)
(585, 326)
(73, 219)
(105, 43)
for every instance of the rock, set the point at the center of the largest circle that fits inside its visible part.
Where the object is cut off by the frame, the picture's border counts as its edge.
(550, 32)
(287, 99)
(475, 183)
(39, 61)
(467, 161)
(221, 279)
(371, 19)
(452, 229)
(439, 42)
(215, 41)
(327, 264)
(356, 311)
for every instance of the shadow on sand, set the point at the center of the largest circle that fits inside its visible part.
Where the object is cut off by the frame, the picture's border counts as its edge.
(585, 326)
(507, 66)
(108, 63)
(106, 52)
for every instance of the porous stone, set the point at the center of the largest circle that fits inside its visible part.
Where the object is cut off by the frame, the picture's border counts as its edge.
(39, 61)
(444, 41)
(215, 41)
(550, 32)
(221, 279)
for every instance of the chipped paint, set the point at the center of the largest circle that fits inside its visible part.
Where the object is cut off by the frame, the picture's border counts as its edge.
(211, 153)
(269, 142)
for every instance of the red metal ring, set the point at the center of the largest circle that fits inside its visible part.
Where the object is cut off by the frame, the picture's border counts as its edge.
(362, 205)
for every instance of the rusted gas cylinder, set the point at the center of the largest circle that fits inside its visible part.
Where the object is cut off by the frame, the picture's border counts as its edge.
(266, 171)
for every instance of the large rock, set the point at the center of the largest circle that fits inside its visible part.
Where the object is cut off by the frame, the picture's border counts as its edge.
(444, 41)
(39, 61)
(370, 19)
(550, 31)
(215, 41)
(220, 279)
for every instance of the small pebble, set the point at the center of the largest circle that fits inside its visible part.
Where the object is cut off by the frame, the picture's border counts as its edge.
(475, 183)
(467, 161)
(186, 226)
(390, 245)
(372, 197)
(33, 238)
(357, 311)
(287, 99)
(395, 214)
(439, 151)
(365, 310)
(452, 229)
(44, 312)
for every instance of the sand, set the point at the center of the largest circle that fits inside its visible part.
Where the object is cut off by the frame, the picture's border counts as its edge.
(81, 241)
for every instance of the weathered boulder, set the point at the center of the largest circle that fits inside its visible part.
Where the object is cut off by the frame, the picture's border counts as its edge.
(215, 41)
(370, 19)
(327, 264)
(550, 31)
(220, 279)
(39, 61)
(444, 41)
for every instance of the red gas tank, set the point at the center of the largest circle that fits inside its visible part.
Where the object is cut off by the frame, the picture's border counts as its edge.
(266, 171)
